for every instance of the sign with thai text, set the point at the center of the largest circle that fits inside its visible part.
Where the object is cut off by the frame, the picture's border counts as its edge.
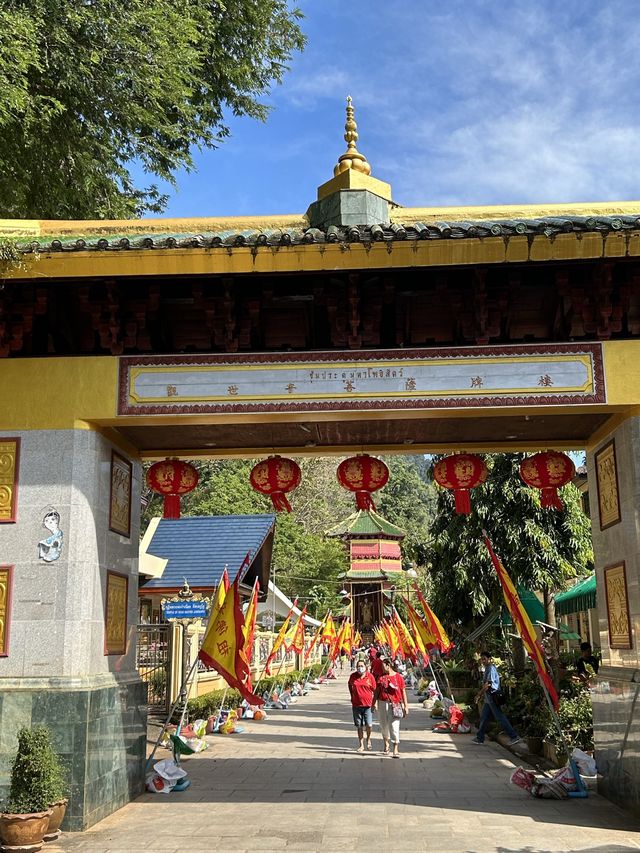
(185, 609)
(473, 376)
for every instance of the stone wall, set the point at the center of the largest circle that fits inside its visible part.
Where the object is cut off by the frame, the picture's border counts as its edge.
(57, 672)
(615, 706)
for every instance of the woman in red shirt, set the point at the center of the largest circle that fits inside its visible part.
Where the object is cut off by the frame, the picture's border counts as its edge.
(391, 699)
(362, 686)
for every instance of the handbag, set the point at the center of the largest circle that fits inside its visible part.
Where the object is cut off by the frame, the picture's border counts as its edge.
(398, 710)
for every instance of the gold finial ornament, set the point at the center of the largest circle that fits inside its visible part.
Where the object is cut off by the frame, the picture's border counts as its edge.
(352, 158)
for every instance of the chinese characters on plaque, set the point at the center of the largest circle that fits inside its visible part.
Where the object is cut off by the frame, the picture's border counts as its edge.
(9, 455)
(115, 617)
(5, 605)
(120, 495)
(615, 585)
(607, 483)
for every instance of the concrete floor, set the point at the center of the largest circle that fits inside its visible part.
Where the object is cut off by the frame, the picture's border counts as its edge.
(295, 783)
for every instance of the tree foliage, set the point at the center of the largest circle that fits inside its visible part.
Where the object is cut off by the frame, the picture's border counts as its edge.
(305, 562)
(89, 86)
(540, 548)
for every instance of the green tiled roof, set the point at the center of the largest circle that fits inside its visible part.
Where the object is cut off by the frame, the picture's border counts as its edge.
(366, 522)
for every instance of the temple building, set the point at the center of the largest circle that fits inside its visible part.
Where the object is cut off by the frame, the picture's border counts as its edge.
(358, 325)
(375, 565)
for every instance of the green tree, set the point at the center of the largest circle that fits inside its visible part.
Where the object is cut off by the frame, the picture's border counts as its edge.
(305, 562)
(87, 88)
(409, 500)
(542, 549)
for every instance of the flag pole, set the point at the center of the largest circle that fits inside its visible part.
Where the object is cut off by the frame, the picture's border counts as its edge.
(181, 693)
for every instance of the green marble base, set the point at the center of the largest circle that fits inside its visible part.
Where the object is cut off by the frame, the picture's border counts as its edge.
(99, 728)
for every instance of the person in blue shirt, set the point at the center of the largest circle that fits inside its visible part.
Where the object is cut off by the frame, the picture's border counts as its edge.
(489, 692)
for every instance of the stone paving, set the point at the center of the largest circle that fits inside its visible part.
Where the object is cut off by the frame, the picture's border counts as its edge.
(295, 783)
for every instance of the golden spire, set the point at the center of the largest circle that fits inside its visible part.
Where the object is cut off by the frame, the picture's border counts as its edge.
(352, 158)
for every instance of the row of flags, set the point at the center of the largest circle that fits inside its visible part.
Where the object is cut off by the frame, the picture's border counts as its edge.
(228, 642)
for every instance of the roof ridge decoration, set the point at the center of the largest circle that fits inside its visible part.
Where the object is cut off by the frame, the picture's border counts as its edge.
(352, 158)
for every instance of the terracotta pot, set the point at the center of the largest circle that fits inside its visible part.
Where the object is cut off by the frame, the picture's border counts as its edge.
(23, 832)
(57, 816)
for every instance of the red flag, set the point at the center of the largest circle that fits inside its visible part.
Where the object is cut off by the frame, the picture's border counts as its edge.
(523, 623)
(316, 637)
(249, 627)
(223, 645)
(433, 623)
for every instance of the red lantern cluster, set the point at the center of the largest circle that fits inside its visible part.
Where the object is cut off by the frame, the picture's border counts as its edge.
(460, 472)
(548, 471)
(172, 478)
(363, 474)
(275, 477)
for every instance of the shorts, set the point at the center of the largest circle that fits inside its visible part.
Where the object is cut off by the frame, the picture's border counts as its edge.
(362, 717)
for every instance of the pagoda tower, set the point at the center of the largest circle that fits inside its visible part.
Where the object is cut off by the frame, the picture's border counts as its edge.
(375, 565)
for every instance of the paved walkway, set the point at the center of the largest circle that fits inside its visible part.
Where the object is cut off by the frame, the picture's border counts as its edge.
(295, 783)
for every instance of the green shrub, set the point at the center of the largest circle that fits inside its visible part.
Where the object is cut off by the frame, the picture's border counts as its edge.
(37, 776)
(576, 720)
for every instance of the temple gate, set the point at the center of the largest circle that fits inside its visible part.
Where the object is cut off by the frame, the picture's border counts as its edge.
(360, 324)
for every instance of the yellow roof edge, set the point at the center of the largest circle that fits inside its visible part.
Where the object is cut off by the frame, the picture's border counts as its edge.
(234, 224)
(186, 225)
(513, 211)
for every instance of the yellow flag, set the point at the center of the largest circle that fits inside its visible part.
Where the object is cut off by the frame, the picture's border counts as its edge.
(218, 599)
(223, 643)
(279, 640)
(329, 631)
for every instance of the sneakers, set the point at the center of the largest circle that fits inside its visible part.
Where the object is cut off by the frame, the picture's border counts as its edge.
(479, 742)
(515, 740)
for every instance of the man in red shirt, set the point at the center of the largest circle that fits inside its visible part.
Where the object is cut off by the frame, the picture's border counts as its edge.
(391, 699)
(377, 667)
(362, 686)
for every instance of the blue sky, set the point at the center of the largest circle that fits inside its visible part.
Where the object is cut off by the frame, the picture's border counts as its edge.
(468, 102)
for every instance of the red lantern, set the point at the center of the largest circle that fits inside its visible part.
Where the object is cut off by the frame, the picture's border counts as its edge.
(461, 472)
(363, 474)
(548, 471)
(275, 476)
(172, 478)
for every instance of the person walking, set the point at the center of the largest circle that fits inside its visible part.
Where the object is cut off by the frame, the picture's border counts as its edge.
(490, 692)
(377, 667)
(390, 699)
(362, 686)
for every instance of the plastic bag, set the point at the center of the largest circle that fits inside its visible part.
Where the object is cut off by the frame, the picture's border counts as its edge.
(200, 728)
(165, 776)
(522, 778)
(586, 763)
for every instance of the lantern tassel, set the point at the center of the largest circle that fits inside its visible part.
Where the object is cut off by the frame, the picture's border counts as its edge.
(171, 506)
(365, 501)
(551, 498)
(463, 502)
(280, 502)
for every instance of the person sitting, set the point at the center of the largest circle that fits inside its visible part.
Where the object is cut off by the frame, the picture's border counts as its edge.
(587, 658)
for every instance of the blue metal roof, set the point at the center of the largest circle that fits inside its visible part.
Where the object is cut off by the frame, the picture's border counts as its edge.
(199, 547)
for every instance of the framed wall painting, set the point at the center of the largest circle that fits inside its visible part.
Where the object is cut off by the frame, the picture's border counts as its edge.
(6, 579)
(115, 614)
(615, 586)
(607, 485)
(120, 495)
(9, 466)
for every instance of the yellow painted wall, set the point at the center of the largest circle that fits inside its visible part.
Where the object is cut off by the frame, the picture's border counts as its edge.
(81, 392)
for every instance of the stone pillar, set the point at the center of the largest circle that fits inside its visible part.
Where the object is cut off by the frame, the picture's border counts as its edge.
(614, 491)
(60, 669)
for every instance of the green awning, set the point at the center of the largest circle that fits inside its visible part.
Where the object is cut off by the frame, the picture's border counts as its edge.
(580, 597)
(566, 633)
(531, 603)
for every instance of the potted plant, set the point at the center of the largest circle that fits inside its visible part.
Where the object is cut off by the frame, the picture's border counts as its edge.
(36, 782)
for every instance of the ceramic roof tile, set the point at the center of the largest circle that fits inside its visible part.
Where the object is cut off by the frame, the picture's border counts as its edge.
(199, 547)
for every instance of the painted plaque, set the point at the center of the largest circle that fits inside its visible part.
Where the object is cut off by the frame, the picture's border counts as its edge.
(9, 458)
(120, 495)
(390, 379)
(5, 608)
(115, 628)
(615, 585)
(607, 483)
